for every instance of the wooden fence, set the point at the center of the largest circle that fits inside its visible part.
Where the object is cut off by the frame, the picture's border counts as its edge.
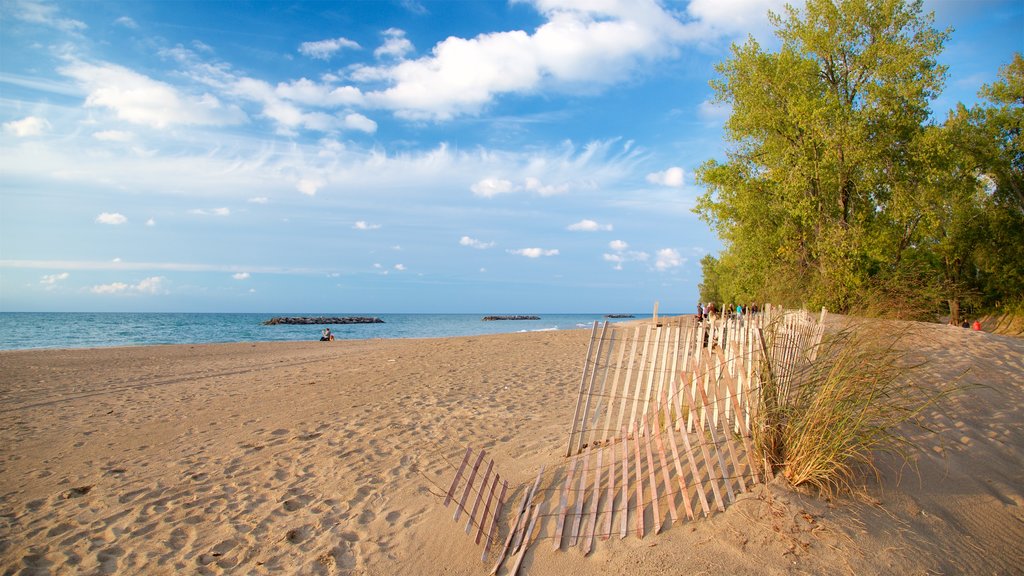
(661, 432)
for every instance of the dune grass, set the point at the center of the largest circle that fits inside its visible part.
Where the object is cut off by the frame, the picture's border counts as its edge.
(856, 399)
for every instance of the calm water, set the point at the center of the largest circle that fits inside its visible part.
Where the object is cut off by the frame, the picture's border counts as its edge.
(20, 330)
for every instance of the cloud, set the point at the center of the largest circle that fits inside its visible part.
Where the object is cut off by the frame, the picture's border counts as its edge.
(589, 226)
(151, 222)
(396, 45)
(668, 258)
(46, 14)
(139, 99)
(672, 177)
(474, 243)
(52, 279)
(714, 112)
(309, 186)
(112, 218)
(622, 254)
(259, 200)
(534, 185)
(26, 127)
(491, 187)
(211, 212)
(127, 22)
(325, 49)
(534, 252)
(241, 276)
(151, 285)
(363, 225)
(113, 136)
(400, 267)
(359, 122)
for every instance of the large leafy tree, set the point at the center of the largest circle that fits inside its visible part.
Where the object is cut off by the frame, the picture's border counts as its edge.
(815, 196)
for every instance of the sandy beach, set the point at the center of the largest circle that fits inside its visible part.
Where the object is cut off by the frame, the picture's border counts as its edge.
(334, 458)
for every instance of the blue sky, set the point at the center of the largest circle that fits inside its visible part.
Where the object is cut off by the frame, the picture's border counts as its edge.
(386, 156)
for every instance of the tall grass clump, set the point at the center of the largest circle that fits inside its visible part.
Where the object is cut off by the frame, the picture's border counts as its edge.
(856, 398)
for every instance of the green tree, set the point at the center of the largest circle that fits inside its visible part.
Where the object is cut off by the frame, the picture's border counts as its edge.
(822, 135)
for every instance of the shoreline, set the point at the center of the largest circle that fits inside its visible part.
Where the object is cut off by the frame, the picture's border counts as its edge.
(333, 458)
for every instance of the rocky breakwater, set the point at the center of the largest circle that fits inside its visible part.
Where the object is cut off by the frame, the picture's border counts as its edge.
(491, 318)
(323, 320)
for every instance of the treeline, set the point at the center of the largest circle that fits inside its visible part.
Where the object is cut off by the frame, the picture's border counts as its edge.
(839, 188)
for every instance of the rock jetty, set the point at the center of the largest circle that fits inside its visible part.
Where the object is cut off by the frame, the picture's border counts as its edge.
(323, 320)
(490, 318)
(619, 316)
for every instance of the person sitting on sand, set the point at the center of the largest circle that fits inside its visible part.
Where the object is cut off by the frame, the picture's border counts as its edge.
(327, 336)
(976, 326)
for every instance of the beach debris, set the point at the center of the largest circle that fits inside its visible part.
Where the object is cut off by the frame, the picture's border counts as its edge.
(323, 320)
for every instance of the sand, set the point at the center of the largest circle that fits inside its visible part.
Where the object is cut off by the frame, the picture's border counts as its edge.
(333, 458)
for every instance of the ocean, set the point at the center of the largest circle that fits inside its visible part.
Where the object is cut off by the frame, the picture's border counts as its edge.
(22, 330)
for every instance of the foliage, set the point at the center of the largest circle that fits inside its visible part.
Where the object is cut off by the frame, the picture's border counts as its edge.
(837, 187)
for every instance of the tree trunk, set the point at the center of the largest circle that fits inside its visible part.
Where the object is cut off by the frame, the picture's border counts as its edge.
(954, 311)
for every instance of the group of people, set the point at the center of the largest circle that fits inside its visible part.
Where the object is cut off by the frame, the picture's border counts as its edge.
(705, 311)
(976, 326)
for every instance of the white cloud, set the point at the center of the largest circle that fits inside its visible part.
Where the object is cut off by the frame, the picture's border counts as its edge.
(535, 185)
(363, 225)
(309, 186)
(211, 212)
(474, 243)
(240, 275)
(46, 14)
(534, 252)
(127, 22)
(396, 45)
(112, 218)
(491, 187)
(151, 222)
(27, 127)
(51, 279)
(622, 254)
(668, 258)
(259, 200)
(359, 122)
(589, 226)
(151, 285)
(325, 49)
(305, 91)
(400, 267)
(113, 136)
(139, 99)
(672, 177)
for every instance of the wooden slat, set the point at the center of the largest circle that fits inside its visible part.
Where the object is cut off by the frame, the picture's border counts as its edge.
(590, 388)
(494, 520)
(605, 372)
(660, 444)
(529, 534)
(639, 380)
(479, 497)
(653, 477)
(469, 485)
(629, 377)
(563, 501)
(683, 491)
(719, 458)
(487, 508)
(640, 505)
(514, 528)
(707, 460)
(462, 467)
(615, 384)
(745, 436)
(581, 497)
(588, 540)
(652, 370)
(609, 511)
(696, 473)
(579, 396)
(624, 499)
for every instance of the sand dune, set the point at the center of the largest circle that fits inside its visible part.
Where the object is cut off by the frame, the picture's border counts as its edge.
(333, 458)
